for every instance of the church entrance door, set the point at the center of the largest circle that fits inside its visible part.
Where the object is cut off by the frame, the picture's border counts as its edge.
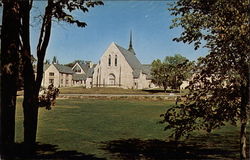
(111, 79)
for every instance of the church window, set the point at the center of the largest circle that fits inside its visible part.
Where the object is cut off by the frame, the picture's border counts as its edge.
(109, 60)
(115, 60)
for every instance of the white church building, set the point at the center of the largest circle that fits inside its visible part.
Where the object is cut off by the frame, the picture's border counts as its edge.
(117, 67)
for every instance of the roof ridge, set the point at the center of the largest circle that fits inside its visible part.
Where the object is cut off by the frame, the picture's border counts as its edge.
(63, 69)
(131, 58)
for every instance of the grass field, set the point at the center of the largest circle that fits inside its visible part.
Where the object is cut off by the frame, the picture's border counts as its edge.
(102, 90)
(110, 90)
(118, 129)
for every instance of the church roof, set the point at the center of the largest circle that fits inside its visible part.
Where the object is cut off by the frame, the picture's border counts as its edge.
(63, 69)
(131, 58)
(136, 73)
(135, 63)
(146, 69)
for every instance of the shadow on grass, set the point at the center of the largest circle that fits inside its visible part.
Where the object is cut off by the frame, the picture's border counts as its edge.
(47, 152)
(200, 147)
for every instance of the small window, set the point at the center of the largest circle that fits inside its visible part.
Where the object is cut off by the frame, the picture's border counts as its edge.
(115, 60)
(61, 81)
(51, 81)
(67, 81)
(109, 60)
(51, 73)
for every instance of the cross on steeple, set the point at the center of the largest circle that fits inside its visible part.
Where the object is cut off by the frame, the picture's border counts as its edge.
(130, 48)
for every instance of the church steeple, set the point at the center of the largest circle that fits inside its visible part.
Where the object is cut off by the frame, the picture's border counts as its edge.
(130, 48)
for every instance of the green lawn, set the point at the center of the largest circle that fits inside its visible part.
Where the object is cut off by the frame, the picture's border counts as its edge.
(111, 90)
(104, 90)
(120, 129)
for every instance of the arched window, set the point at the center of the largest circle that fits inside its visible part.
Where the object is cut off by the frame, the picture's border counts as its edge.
(109, 60)
(115, 60)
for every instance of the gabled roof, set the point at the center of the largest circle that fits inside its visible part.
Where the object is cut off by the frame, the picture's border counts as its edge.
(136, 73)
(45, 67)
(63, 69)
(135, 63)
(146, 69)
(130, 57)
(77, 77)
(84, 67)
(90, 72)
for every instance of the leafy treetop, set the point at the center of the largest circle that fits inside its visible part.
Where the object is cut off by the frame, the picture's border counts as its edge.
(219, 92)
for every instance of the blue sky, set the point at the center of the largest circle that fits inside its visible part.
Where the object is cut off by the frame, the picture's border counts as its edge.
(112, 22)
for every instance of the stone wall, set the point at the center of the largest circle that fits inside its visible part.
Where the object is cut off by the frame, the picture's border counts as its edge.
(119, 75)
(58, 79)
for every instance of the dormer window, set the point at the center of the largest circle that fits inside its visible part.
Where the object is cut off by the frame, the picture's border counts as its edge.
(77, 69)
(109, 60)
(115, 60)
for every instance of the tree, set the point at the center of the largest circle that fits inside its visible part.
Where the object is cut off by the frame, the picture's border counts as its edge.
(47, 61)
(160, 74)
(219, 93)
(55, 60)
(19, 40)
(171, 72)
(179, 69)
(9, 72)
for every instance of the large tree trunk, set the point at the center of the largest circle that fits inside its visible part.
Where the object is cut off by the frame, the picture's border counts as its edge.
(243, 140)
(9, 71)
(30, 108)
(244, 120)
(32, 85)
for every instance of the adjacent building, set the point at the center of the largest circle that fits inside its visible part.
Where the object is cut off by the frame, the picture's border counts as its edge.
(59, 75)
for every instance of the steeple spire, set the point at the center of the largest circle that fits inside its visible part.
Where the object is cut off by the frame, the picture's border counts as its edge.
(130, 48)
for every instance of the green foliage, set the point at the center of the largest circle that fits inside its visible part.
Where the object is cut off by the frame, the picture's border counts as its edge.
(219, 90)
(159, 73)
(55, 60)
(62, 8)
(47, 61)
(172, 71)
(48, 97)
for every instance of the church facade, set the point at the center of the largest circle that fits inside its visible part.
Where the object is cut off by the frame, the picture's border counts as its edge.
(118, 67)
